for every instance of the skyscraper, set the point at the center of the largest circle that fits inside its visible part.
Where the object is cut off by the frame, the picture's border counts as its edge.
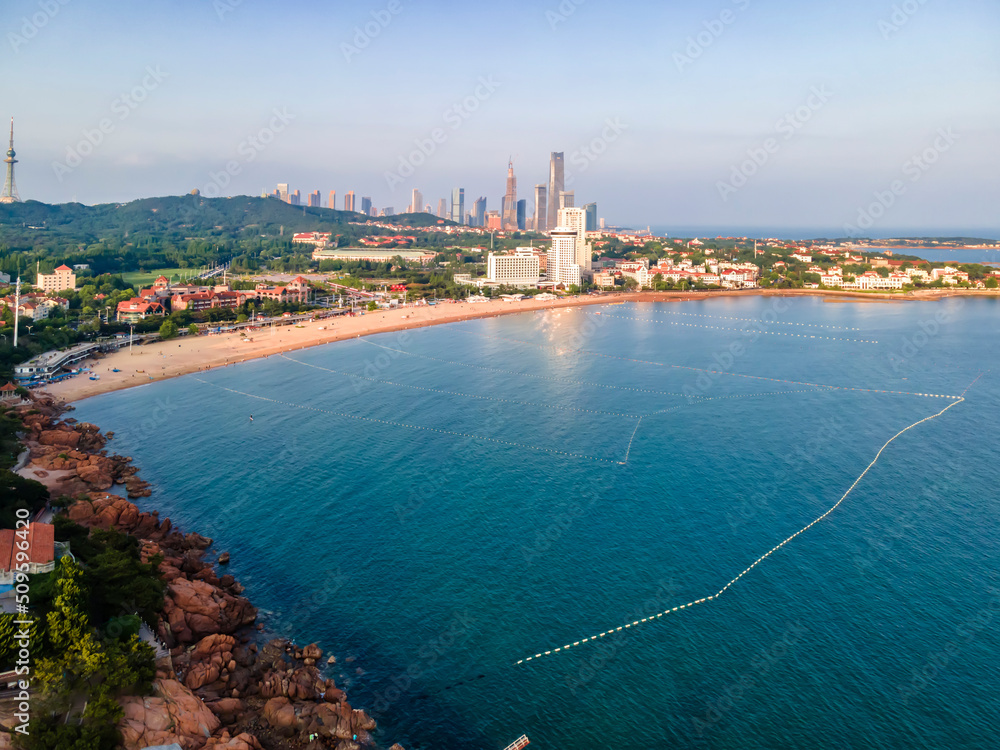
(566, 199)
(332, 203)
(314, 199)
(9, 186)
(591, 210)
(575, 220)
(561, 266)
(366, 206)
(522, 210)
(540, 224)
(443, 208)
(417, 203)
(349, 200)
(556, 184)
(509, 217)
(479, 212)
(283, 191)
(458, 205)
(295, 198)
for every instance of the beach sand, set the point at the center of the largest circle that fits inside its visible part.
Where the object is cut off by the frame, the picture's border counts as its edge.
(168, 359)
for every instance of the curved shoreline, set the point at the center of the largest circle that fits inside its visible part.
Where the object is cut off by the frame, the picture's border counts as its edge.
(142, 366)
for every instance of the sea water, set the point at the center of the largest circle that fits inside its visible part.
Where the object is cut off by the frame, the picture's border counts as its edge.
(433, 506)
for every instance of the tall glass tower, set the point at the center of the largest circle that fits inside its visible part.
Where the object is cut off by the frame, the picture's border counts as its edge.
(10, 187)
(557, 183)
(458, 205)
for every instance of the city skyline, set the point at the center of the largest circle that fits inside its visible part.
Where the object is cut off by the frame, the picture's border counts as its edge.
(746, 114)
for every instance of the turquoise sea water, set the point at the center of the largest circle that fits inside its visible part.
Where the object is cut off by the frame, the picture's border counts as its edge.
(441, 503)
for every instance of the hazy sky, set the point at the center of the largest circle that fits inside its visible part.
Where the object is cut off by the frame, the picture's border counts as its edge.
(721, 113)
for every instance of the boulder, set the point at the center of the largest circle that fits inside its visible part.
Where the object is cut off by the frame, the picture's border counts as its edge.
(194, 609)
(60, 438)
(172, 715)
(242, 741)
(279, 713)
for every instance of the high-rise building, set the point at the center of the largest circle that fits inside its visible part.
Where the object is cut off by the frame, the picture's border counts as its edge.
(479, 212)
(493, 220)
(332, 201)
(366, 206)
(295, 198)
(314, 199)
(458, 205)
(575, 220)
(566, 199)
(556, 184)
(509, 218)
(540, 224)
(522, 210)
(591, 211)
(349, 200)
(443, 208)
(387, 211)
(561, 266)
(283, 191)
(417, 203)
(9, 186)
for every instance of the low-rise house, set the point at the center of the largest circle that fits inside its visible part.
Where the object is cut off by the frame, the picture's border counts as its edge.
(41, 551)
(136, 309)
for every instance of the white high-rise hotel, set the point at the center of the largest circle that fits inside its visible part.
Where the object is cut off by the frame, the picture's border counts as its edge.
(519, 269)
(569, 257)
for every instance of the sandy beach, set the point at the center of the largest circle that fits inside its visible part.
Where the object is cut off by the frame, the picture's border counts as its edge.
(168, 359)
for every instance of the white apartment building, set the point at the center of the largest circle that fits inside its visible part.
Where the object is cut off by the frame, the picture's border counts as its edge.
(522, 268)
(576, 220)
(561, 265)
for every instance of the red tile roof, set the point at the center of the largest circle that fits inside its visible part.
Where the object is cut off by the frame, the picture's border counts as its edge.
(41, 545)
(64, 268)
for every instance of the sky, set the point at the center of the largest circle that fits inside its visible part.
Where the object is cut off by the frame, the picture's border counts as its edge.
(859, 115)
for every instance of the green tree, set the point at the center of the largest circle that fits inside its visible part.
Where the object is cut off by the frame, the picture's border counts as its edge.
(168, 330)
(193, 329)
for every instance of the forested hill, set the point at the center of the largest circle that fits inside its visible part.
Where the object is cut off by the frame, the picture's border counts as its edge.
(40, 225)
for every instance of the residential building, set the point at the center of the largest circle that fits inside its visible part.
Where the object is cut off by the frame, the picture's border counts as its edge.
(416, 202)
(493, 220)
(591, 211)
(295, 198)
(41, 550)
(332, 200)
(309, 238)
(349, 201)
(62, 278)
(566, 199)
(314, 199)
(283, 191)
(366, 205)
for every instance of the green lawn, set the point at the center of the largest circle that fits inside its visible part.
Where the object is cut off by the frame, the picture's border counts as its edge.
(146, 278)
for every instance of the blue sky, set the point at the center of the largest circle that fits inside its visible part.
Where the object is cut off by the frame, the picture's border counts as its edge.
(727, 113)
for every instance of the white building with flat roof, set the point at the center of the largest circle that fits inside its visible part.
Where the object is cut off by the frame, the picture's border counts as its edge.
(561, 265)
(576, 219)
(522, 268)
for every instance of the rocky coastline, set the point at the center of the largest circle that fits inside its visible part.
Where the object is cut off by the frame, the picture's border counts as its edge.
(218, 684)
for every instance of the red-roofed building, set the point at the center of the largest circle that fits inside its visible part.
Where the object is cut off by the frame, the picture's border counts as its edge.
(62, 278)
(39, 557)
(135, 309)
